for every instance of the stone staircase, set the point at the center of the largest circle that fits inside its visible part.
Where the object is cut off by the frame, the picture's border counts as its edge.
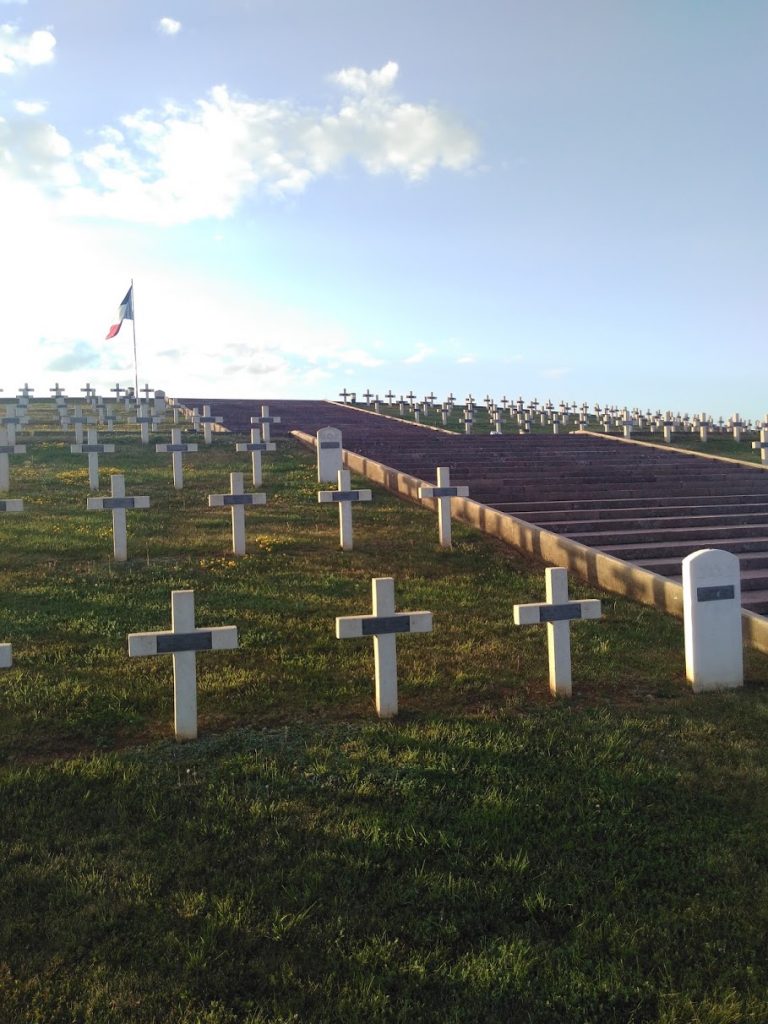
(647, 506)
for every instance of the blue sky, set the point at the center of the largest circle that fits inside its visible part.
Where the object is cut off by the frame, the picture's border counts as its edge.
(553, 199)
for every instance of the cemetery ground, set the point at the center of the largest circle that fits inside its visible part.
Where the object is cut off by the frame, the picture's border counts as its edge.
(493, 854)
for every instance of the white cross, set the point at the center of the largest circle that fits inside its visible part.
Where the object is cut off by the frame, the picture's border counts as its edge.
(146, 391)
(6, 449)
(92, 449)
(264, 421)
(89, 391)
(236, 500)
(344, 496)
(444, 493)
(57, 390)
(383, 626)
(256, 447)
(26, 391)
(557, 612)
(146, 420)
(367, 395)
(118, 504)
(762, 444)
(207, 420)
(736, 425)
(79, 422)
(117, 390)
(183, 640)
(176, 448)
(345, 395)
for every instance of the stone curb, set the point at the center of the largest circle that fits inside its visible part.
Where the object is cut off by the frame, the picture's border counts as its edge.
(670, 448)
(591, 565)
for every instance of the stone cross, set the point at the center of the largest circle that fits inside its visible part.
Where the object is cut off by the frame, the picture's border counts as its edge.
(176, 448)
(92, 449)
(147, 392)
(668, 425)
(705, 425)
(79, 422)
(57, 390)
(265, 420)
(207, 420)
(10, 422)
(737, 425)
(89, 391)
(117, 391)
(329, 454)
(468, 421)
(712, 620)
(558, 613)
(367, 395)
(762, 444)
(236, 500)
(389, 397)
(117, 504)
(256, 447)
(26, 391)
(383, 626)
(344, 395)
(6, 449)
(443, 493)
(344, 496)
(183, 641)
(146, 420)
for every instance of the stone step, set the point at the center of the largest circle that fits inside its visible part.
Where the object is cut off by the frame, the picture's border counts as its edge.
(641, 553)
(705, 537)
(549, 517)
(750, 561)
(653, 524)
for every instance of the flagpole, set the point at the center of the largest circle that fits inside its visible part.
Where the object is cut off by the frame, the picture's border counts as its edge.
(135, 361)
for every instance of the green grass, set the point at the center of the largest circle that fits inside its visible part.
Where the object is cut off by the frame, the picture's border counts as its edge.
(493, 855)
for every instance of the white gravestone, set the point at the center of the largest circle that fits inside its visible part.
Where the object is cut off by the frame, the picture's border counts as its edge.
(208, 420)
(147, 421)
(7, 449)
(92, 449)
(443, 494)
(79, 420)
(558, 613)
(159, 404)
(256, 447)
(183, 641)
(265, 421)
(345, 497)
(762, 444)
(329, 455)
(118, 503)
(6, 656)
(714, 656)
(236, 500)
(10, 422)
(176, 449)
(384, 626)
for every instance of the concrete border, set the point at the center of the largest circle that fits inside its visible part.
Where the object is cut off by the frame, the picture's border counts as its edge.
(669, 449)
(395, 419)
(593, 566)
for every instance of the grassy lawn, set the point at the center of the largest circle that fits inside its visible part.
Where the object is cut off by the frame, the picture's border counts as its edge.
(493, 855)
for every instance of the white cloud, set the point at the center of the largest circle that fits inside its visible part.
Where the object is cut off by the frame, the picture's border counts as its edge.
(17, 51)
(31, 107)
(180, 164)
(422, 352)
(169, 26)
(466, 359)
(556, 372)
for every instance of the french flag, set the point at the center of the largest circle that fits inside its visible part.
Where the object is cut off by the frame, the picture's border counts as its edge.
(125, 312)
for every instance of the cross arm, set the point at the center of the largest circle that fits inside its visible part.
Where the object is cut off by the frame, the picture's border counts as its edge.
(218, 638)
(350, 626)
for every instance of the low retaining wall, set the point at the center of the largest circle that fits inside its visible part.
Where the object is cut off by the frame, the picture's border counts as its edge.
(591, 565)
